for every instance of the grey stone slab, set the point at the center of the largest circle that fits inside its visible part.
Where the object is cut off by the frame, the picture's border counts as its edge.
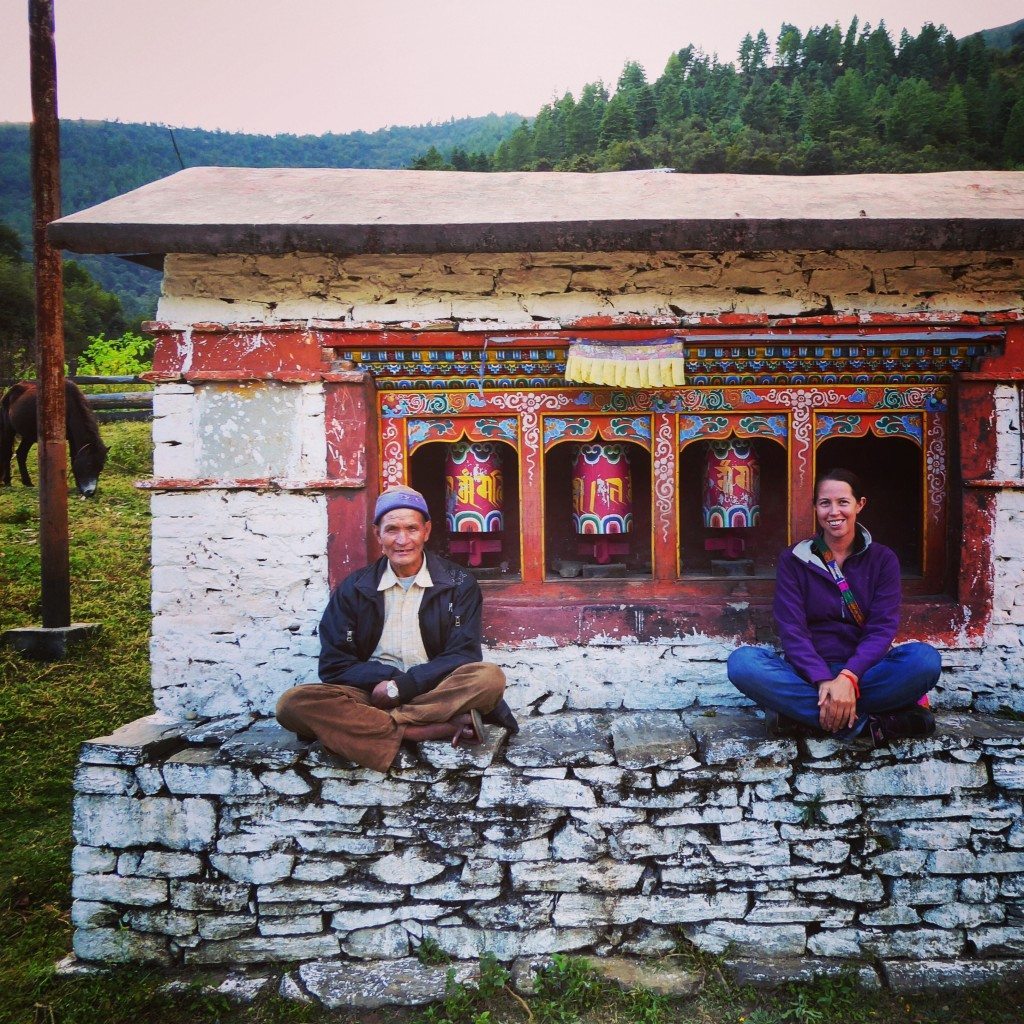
(134, 744)
(769, 973)
(216, 731)
(200, 771)
(504, 789)
(120, 946)
(243, 989)
(71, 967)
(732, 734)
(920, 779)
(991, 730)
(222, 896)
(87, 914)
(103, 778)
(92, 860)
(563, 739)
(258, 869)
(655, 739)
(444, 755)
(599, 876)
(410, 867)
(265, 744)
(143, 892)
(949, 975)
(48, 643)
(264, 949)
(404, 982)
(331, 895)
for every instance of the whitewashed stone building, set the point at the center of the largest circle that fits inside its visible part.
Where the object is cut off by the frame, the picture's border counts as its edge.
(324, 333)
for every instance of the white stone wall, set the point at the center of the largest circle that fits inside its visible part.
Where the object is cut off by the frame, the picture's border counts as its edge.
(240, 578)
(999, 676)
(239, 582)
(602, 834)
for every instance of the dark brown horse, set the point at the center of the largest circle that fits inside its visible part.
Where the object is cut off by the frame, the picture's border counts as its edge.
(18, 418)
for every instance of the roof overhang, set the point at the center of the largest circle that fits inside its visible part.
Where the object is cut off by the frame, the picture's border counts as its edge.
(330, 210)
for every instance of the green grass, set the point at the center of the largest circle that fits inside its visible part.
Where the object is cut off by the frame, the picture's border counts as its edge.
(46, 710)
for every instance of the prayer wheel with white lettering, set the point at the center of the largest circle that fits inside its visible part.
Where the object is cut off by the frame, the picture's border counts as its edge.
(602, 499)
(732, 494)
(474, 497)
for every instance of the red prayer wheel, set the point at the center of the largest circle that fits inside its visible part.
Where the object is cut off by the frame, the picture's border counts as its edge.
(732, 484)
(474, 497)
(602, 490)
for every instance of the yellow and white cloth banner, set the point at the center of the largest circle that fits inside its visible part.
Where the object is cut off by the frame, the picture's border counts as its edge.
(657, 365)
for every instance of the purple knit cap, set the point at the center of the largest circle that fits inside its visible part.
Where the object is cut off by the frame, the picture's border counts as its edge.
(399, 497)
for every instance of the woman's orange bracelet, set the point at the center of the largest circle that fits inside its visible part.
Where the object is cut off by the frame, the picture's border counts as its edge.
(853, 679)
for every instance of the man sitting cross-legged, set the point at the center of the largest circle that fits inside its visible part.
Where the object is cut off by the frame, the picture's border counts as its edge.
(400, 650)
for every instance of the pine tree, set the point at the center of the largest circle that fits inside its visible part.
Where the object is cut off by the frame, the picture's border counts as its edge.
(618, 124)
(1013, 138)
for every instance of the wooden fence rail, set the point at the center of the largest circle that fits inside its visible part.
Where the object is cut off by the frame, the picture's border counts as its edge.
(114, 405)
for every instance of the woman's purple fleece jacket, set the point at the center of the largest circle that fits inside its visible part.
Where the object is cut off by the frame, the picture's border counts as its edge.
(814, 625)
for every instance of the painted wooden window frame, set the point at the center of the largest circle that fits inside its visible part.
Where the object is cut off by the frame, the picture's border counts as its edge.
(664, 421)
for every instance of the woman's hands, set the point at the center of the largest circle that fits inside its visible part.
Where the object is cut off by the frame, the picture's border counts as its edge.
(837, 703)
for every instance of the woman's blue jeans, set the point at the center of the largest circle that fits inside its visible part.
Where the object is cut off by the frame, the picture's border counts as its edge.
(899, 680)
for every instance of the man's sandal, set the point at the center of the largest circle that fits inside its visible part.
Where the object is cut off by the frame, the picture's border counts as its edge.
(476, 723)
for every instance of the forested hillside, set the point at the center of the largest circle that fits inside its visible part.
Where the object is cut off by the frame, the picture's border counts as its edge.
(88, 309)
(824, 101)
(101, 159)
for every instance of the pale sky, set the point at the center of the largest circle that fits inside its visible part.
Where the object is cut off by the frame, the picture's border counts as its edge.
(313, 66)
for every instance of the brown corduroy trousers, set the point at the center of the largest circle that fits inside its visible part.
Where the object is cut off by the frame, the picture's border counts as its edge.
(346, 723)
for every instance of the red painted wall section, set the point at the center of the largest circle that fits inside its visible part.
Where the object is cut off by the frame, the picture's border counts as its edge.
(238, 351)
(353, 460)
(977, 462)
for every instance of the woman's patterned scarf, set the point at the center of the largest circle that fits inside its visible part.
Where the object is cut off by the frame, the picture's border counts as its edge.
(819, 548)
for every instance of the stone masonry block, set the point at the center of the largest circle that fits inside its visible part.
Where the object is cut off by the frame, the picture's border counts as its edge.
(601, 876)
(119, 946)
(264, 949)
(119, 822)
(498, 790)
(198, 771)
(133, 744)
(144, 892)
(928, 778)
(257, 869)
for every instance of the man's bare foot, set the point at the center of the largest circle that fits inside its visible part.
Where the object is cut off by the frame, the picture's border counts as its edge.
(462, 730)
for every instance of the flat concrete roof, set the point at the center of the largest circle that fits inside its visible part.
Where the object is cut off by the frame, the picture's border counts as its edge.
(276, 210)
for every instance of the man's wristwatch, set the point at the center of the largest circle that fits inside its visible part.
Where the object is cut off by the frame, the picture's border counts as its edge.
(392, 690)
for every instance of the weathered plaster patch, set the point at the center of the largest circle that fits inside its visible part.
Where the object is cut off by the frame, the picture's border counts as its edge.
(396, 288)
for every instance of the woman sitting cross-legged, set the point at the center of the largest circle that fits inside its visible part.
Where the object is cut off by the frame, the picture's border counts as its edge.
(837, 603)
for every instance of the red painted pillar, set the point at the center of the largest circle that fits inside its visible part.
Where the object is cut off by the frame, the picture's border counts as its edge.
(353, 471)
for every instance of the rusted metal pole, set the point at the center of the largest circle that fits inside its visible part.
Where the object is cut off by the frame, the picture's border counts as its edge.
(53, 480)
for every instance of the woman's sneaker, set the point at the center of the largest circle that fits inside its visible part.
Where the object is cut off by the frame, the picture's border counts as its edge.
(778, 726)
(913, 723)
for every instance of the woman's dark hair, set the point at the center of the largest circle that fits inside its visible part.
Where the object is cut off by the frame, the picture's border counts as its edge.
(843, 476)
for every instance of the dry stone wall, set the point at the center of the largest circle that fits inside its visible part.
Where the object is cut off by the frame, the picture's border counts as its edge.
(230, 842)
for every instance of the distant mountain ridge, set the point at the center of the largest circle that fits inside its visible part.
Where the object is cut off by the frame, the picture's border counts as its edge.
(102, 159)
(1003, 37)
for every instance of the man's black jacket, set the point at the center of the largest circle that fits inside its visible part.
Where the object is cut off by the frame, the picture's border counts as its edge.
(353, 622)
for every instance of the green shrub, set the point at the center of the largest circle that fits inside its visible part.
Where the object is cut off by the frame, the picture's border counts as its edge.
(126, 356)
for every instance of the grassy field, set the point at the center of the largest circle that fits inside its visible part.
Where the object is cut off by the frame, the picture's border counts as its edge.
(46, 710)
